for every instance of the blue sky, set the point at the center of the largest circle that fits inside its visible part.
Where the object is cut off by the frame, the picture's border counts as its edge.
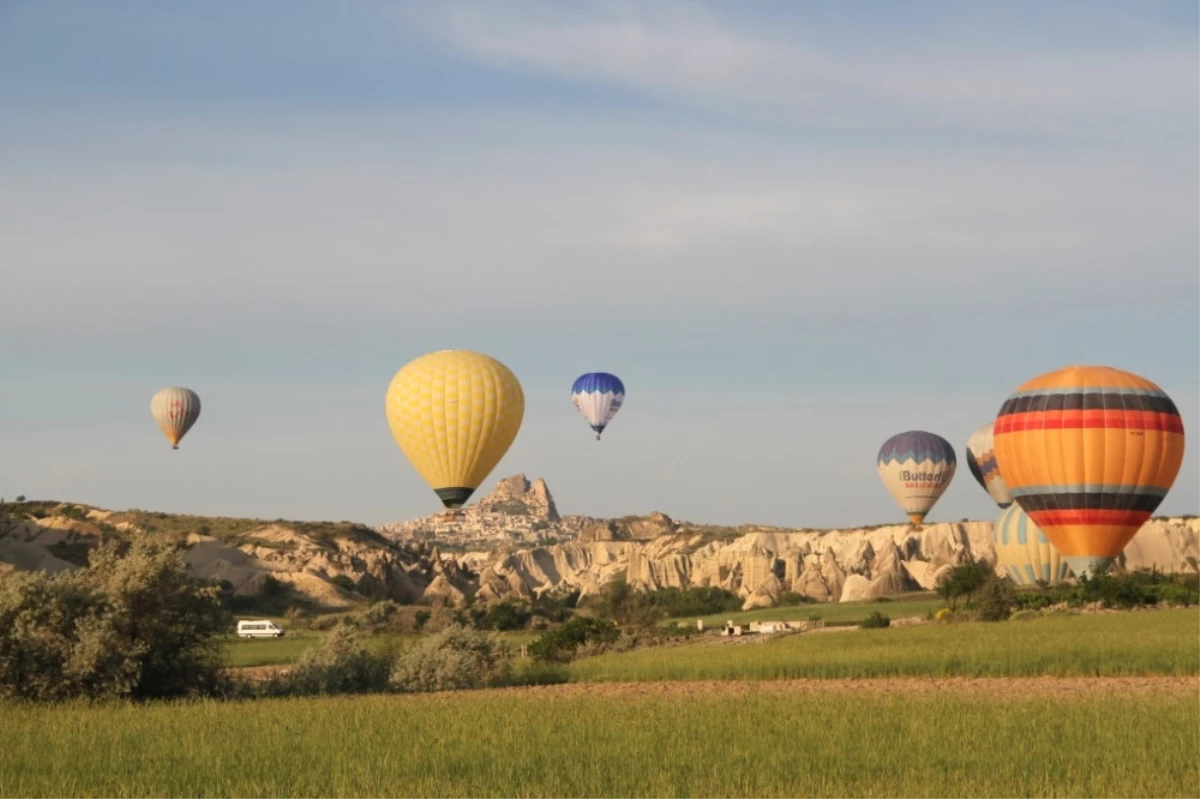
(793, 229)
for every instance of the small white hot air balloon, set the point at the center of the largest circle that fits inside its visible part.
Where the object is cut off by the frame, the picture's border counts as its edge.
(175, 409)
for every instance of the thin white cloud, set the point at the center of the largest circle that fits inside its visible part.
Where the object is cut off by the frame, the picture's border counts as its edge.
(539, 218)
(685, 54)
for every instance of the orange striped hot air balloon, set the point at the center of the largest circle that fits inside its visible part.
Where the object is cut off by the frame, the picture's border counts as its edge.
(1089, 452)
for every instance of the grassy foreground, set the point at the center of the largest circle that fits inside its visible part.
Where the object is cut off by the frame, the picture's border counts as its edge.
(1102, 644)
(556, 743)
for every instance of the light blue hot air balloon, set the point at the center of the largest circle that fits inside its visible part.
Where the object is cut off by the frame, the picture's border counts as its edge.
(598, 396)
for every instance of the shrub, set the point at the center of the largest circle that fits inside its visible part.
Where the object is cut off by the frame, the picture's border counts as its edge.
(457, 658)
(298, 618)
(341, 666)
(997, 600)
(962, 581)
(344, 582)
(155, 602)
(378, 613)
(787, 599)
(74, 512)
(503, 616)
(56, 641)
(1176, 594)
(420, 618)
(562, 645)
(133, 624)
(619, 602)
(876, 620)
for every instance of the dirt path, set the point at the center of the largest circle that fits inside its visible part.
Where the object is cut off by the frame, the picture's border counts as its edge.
(1057, 687)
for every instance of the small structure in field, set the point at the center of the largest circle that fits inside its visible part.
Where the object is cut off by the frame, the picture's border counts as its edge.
(768, 627)
(771, 627)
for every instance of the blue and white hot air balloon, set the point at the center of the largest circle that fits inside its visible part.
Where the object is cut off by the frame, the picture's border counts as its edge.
(598, 396)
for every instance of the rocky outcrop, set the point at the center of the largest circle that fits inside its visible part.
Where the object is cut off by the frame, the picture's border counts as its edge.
(765, 595)
(309, 557)
(517, 511)
(836, 565)
(758, 564)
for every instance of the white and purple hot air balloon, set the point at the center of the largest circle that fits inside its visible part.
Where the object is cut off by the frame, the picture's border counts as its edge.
(916, 468)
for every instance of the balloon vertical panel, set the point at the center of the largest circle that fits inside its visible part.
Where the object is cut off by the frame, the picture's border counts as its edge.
(1023, 550)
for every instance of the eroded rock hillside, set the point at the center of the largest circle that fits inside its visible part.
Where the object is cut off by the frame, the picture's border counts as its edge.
(512, 543)
(325, 565)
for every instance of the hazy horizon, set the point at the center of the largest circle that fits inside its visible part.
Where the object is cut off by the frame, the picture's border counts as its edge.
(792, 231)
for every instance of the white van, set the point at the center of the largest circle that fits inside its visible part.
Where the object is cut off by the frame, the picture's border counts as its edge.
(258, 628)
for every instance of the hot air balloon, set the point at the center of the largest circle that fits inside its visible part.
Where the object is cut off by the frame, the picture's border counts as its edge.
(981, 460)
(1023, 550)
(175, 409)
(454, 413)
(916, 467)
(598, 396)
(1089, 452)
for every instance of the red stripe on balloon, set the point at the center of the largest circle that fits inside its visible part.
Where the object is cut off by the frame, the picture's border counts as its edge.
(1056, 518)
(1074, 420)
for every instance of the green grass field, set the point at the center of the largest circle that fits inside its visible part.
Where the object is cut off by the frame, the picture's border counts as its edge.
(566, 743)
(832, 613)
(1156, 642)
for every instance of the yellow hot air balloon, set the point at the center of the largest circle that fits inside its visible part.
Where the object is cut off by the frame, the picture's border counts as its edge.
(1023, 550)
(1089, 452)
(454, 414)
(175, 409)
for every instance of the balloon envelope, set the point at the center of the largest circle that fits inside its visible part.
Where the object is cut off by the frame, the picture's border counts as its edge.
(1089, 452)
(598, 396)
(454, 413)
(1023, 550)
(981, 460)
(916, 468)
(175, 409)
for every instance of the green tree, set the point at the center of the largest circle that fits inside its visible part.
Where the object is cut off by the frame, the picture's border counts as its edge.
(129, 624)
(962, 581)
(559, 646)
(161, 610)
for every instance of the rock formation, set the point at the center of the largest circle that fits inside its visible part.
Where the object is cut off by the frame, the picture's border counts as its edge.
(576, 553)
(516, 511)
